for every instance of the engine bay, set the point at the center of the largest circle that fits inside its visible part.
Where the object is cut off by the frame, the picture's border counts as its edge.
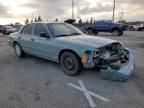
(110, 54)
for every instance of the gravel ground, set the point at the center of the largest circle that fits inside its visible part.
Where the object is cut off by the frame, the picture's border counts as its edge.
(36, 83)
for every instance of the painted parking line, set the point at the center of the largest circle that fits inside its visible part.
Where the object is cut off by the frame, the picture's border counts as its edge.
(88, 94)
(89, 98)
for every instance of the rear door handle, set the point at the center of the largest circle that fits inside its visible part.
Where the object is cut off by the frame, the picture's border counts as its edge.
(32, 39)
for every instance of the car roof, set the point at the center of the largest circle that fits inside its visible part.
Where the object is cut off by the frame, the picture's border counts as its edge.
(47, 22)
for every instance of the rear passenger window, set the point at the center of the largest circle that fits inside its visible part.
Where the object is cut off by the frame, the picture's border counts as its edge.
(28, 29)
(40, 28)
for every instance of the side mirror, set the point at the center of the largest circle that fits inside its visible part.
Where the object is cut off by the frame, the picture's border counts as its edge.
(45, 35)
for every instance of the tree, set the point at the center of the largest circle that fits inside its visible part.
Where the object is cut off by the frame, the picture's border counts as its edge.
(35, 19)
(91, 21)
(80, 21)
(26, 21)
(56, 20)
(122, 21)
(31, 20)
(11, 25)
(87, 22)
(94, 21)
(39, 19)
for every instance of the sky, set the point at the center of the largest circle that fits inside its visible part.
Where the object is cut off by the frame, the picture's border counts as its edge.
(12, 11)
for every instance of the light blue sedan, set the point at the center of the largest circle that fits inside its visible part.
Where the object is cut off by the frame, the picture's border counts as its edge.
(73, 50)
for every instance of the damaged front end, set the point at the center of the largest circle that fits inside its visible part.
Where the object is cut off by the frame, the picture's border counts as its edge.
(115, 62)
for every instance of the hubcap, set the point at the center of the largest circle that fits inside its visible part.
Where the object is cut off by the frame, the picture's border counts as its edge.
(18, 50)
(69, 63)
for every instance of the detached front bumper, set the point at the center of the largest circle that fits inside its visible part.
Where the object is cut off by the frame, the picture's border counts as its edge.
(123, 73)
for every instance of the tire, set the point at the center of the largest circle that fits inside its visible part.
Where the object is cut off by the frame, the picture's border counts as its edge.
(8, 34)
(121, 33)
(4, 33)
(90, 32)
(116, 32)
(18, 51)
(96, 33)
(70, 63)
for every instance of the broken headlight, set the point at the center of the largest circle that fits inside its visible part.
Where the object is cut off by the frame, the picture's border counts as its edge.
(110, 54)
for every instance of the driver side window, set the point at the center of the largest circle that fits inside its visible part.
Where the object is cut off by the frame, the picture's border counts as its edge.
(39, 28)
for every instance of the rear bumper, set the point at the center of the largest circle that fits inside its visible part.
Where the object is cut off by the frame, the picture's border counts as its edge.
(123, 73)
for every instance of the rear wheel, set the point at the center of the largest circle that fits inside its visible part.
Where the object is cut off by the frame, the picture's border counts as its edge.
(8, 34)
(121, 33)
(18, 51)
(70, 63)
(116, 33)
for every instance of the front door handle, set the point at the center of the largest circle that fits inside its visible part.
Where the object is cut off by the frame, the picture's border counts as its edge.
(32, 39)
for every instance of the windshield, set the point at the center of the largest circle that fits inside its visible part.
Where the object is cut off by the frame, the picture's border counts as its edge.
(63, 29)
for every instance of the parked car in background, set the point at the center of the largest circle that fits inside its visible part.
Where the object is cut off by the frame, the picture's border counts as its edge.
(135, 28)
(104, 26)
(18, 27)
(131, 28)
(72, 49)
(2, 29)
(10, 29)
(139, 27)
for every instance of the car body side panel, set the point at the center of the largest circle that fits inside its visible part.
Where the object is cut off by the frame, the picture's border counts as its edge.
(103, 27)
(54, 47)
(50, 48)
(45, 48)
(26, 43)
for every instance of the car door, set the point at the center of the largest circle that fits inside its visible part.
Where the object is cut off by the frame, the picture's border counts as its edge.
(102, 26)
(26, 38)
(43, 46)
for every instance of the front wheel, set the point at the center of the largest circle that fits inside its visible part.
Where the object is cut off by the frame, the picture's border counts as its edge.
(90, 32)
(70, 63)
(18, 51)
(96, 33)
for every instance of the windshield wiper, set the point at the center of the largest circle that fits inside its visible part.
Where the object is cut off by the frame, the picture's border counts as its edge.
(61, 35)
(75, 34)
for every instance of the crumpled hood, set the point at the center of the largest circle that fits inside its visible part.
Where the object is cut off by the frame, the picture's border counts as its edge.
(91, 41)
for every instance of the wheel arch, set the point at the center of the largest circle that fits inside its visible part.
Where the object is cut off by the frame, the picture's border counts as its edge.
(115, 28)
(14, 42)
(90, 28)
(67, 50)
